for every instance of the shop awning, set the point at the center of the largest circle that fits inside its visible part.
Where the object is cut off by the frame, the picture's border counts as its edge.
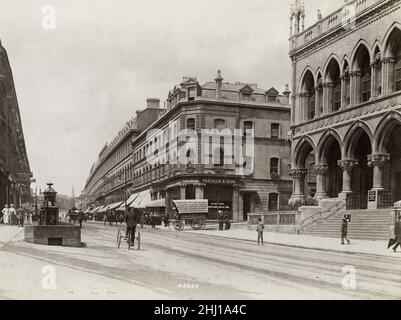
(102, 209)
(132, 198)
(161, 203)
(96, 209)
(112, 206)
(141, 200)
(191, 206)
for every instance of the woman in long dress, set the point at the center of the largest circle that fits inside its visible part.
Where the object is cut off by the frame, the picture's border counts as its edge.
(6, 213)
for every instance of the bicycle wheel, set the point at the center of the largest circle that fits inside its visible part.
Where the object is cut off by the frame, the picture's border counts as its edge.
(129, 241)
(139, 240)
(118, 238)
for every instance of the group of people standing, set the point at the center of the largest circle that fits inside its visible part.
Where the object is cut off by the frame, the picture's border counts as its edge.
(224, 221)
(10, 216)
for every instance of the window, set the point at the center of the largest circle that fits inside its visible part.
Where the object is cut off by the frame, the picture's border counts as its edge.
(397, 72)
(275, 131)
(311, 106)
(336, 95)
(246, 96)
(365, 83)
(219, 124)
(271, 98)
(248, 128)
(218, 157)
(274, 167)
(273, 201)
(191, 124)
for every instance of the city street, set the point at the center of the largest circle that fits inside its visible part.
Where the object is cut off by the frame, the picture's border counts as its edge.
(174, 265)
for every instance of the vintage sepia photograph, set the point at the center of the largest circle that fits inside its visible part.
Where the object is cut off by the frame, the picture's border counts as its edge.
(215, 150)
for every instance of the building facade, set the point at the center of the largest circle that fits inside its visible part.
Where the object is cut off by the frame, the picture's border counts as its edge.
(110, 178)
(346, 108)
(15, 173)
(218, 141)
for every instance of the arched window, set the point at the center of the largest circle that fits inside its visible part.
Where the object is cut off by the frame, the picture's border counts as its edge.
(191, 124)
(308, 96)
(393, 51)
(334, 85)
(362, 65)
(218, 158)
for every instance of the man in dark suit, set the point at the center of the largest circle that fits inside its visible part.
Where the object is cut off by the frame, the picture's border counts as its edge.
(397, 233)
(131, 221)
(344, 230)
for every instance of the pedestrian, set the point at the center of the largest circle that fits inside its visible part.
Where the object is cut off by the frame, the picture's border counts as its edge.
(166, 221)
(221, 220)
(5, 213)
(20, 217)
(344, 230)
(260, 228)
(153, 220)
(131, 220)
(80, 218)
(397, 233)
(12, 215)
(29, 218)
(227, 222)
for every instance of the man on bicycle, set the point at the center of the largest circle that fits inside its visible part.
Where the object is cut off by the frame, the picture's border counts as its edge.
(131, 221)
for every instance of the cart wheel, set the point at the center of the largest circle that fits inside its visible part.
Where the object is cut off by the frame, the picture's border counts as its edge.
(182, 225)
(118, 238)
(178, 225)
(139, 240)
(196, 224)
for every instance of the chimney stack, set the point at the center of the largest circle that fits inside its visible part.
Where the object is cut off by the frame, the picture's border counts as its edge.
(287, 94)
(153, 103)
(219, 85)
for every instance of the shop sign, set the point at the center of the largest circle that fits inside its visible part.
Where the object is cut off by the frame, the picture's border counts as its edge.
(221, 205)
(218, 181)
(372, 196)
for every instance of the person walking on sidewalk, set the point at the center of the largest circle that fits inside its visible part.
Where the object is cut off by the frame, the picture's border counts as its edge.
(221, 220)
(397, 233)
(5, 213)
(344, 230)
(20, 217)
(12, 215)
(259, 230)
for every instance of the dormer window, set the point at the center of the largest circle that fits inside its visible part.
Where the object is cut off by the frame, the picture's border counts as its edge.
(271, 95)
(246, 92)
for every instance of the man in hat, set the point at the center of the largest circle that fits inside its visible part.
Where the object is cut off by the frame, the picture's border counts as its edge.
(20, 217)
(221, 220)
(12, 215)
(344, 230)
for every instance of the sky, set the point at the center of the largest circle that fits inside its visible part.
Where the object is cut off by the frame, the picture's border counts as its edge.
(78, 83)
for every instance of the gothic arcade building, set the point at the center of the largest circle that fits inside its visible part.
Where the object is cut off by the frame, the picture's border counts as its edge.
(346, 112)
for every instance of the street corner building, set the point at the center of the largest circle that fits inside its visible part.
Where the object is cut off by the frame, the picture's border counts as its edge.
(346, 111)
(224, 142)
(15, 173)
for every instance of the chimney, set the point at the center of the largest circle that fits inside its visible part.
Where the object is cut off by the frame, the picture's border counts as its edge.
(287, 94)
(153, 103)
(219, 84)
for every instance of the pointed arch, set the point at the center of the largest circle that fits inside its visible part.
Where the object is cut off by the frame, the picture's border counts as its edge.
(377, 46)
(304, 73)
(328, 136)
(302, 150)
(333, 57)
(384, 129)
(395, 26)
(352, 136)
(361, 44)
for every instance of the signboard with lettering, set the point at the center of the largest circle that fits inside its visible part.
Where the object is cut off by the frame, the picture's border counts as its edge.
(221, 205)
(372, 196)
(218, 181)
(191, 206)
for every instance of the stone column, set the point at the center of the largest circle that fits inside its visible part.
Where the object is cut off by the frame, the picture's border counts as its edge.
(235, 207)
(377, 161)
(347, 165)
(317, 101)
(373, 87)
(199, 190)
(355, 87)
(306, 106)
(298, 177)
(343, 91)
(387, 75)
(321, 175)
(182, 191)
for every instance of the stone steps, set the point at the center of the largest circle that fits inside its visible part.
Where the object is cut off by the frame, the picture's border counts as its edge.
(365, 224)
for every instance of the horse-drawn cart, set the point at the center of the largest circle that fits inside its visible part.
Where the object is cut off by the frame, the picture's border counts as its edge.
(191, 212)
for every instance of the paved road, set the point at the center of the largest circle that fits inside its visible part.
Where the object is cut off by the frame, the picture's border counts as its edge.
(173, 265)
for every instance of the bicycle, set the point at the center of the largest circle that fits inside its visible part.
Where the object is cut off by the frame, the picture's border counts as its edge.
(137, 238)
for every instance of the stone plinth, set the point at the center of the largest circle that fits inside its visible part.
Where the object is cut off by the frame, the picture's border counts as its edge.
(62, 234)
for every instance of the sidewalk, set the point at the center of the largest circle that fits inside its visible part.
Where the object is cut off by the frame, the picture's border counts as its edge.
(8, 233)
(378, 248)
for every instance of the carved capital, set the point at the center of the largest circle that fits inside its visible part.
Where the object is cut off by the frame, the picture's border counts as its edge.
(378, 160)
(321, 169)
(348, 164)
(328, 85)
(298, 173)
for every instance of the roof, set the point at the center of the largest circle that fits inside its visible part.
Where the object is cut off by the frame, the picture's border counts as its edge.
(234, 87)
(192, 206)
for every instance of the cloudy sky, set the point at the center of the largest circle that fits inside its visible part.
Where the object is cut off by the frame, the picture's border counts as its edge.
(79, 83)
